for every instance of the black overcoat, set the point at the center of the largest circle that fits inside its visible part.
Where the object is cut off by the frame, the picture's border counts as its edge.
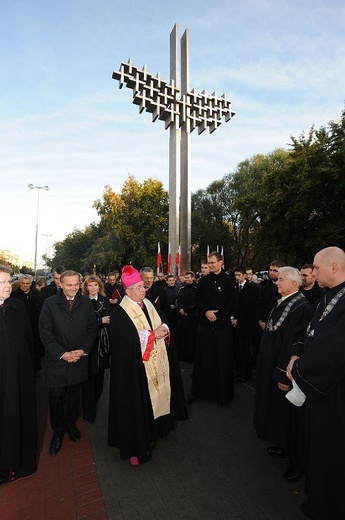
(18, 424)
(131, 426)
(320, 373)
(274, 415)
(62, 330)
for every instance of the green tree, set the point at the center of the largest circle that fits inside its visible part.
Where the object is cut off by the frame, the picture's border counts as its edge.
(138, 215)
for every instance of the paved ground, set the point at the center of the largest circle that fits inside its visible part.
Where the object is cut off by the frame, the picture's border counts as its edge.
(211, 467)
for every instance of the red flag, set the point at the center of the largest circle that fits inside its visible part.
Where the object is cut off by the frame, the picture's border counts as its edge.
(159, 260)
(178, 260)
(169, 259)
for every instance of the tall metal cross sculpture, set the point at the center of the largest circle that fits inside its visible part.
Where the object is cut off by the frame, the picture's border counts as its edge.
(182, 110)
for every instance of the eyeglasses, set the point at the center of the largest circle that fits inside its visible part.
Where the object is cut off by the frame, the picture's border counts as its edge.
(5, 282)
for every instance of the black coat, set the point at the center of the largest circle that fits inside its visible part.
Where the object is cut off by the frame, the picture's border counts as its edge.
(45, 293)
(273, 413)
(62, 330)
(248, 300)
(268, 296)
(18, 428)
(320, 373)
(217, 292)
(100, 353)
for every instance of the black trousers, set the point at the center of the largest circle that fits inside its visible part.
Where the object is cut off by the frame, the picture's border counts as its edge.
(214, 364)
(64, 405)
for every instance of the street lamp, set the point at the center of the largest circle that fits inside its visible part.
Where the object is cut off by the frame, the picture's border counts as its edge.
(38, 188)
(47, 237)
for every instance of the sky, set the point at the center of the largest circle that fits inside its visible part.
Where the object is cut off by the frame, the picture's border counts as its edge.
(64, 122)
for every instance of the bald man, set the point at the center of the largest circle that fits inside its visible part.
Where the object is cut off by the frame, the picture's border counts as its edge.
(320, 374)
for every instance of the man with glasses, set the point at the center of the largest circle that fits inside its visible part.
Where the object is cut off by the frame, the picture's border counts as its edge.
(146, 393)
(18, 428)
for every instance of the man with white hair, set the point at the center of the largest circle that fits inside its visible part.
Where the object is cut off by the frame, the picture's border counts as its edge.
(320, 374)
(146, 394)
(275, 418)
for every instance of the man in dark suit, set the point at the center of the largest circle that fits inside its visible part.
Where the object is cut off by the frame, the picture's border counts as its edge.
(269, 294)
(68, 329)
(154, 293)
(247, 329)
(52, 288)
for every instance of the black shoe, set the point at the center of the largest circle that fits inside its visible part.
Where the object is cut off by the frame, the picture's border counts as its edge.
(55, 444)
(304, 509)
(292, 474)
(74, 434)
(276, 452)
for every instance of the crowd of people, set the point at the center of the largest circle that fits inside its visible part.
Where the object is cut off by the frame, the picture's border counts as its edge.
(286, 333)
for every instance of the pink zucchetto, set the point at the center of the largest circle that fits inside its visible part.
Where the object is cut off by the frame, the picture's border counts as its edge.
(130, 276)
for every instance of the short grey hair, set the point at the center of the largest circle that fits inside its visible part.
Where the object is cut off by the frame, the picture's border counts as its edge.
(292, 274)
(26, 277)
(146, 270)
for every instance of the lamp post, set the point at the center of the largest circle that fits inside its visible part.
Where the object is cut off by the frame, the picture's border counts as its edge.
(38, 188)
(47, 236)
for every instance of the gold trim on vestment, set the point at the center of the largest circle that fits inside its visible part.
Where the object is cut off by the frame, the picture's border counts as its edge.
(157, 366)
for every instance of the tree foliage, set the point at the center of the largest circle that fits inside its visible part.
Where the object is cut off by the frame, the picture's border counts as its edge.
(286, 204)
(131, 224)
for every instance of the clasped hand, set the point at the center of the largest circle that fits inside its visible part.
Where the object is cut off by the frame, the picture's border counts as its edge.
(160, 332)
(73, 356)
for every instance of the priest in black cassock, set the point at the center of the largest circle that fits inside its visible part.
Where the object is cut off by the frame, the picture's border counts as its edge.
(18, 422)
(320, 374)
(146, 392)
(276, 420)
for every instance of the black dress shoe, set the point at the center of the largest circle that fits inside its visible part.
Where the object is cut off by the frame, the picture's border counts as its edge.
(292, 474)
(305, 510)
(55, 444)
(276, 452)
(74, 434)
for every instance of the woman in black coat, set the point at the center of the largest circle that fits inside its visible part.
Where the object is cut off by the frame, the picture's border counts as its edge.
(99, 356)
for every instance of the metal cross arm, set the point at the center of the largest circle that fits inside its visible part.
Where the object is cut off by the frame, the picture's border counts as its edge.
(165, 102)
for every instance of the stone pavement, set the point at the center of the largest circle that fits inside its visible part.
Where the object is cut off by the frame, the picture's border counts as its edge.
(210, 467)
